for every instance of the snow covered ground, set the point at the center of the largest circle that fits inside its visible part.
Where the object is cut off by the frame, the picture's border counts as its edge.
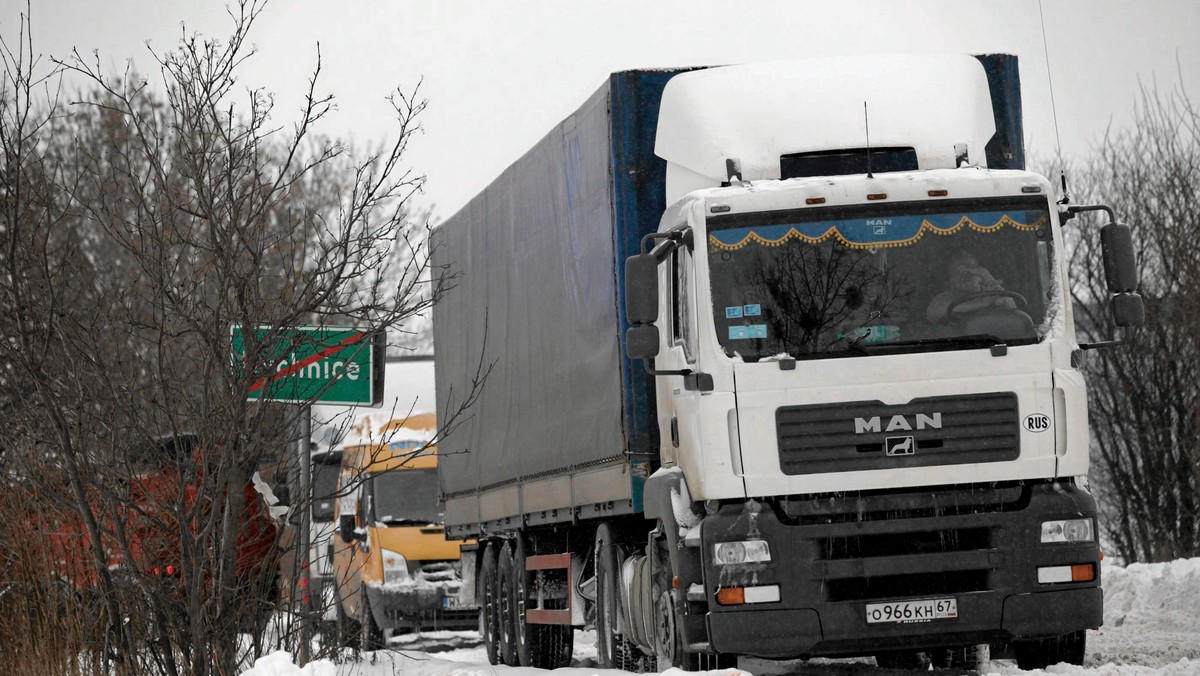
(1151, 626)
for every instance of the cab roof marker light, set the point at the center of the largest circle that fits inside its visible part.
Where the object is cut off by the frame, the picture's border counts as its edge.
(720, 208)
(1031, 188)
(815, 200)
(938, 193)
(877, 196)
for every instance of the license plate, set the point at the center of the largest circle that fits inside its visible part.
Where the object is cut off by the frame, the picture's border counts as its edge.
(451, 603)
(905, 612)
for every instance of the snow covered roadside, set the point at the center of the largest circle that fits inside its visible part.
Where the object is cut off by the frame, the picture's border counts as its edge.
(1152, 627)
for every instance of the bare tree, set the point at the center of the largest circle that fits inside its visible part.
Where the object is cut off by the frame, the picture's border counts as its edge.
(137, 225)
(1144, 395)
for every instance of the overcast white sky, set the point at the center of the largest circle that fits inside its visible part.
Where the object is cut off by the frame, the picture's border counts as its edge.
(498, 75)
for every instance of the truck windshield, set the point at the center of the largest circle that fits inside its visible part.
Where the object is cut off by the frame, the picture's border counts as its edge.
(406, 497)
(852, 281)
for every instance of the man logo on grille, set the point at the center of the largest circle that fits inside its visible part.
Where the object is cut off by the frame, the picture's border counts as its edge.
(900, 446)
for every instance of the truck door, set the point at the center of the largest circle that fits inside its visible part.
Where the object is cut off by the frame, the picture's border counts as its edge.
(701, 425)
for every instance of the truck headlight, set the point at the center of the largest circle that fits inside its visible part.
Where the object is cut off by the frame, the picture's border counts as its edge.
(395, 567)
(1068, 530)
(746, 551)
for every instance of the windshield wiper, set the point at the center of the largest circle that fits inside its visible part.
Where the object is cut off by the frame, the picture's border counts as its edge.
(979, 340)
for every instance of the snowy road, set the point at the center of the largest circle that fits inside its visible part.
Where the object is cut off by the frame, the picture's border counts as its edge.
(1152, 626)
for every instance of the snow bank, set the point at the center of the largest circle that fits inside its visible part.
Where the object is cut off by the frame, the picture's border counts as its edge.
(1161, 595)
(281, 664)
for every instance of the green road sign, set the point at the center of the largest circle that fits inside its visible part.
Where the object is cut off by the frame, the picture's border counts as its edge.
(318, 365)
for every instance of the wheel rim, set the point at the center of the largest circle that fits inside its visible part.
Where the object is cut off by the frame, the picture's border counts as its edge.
(665, 629)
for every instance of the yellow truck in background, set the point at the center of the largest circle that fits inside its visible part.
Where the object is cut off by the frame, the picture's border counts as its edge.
(393, 567)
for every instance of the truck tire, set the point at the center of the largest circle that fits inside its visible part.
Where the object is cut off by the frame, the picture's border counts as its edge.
(371, 636)
(346, 629)
(506, 597)
(544, 646)
(1040, 653)
(613, 650)
(489, 603)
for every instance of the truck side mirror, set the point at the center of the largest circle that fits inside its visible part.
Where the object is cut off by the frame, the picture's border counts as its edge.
(346, 528)
(1120, 262)
(641, 289)
(1128, 311)
(641, 342)
(1120, 274)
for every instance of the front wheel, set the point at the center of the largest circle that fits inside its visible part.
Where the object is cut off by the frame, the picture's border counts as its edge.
(346, 629)
(371, 637)
(613, 649)
(1040, 653)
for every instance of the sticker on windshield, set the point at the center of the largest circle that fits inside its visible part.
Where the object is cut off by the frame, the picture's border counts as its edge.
(748, 332)
(752, 310)
(734, 312)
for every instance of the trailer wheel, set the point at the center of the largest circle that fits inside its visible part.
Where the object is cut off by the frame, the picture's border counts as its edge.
(506, 595)
(1040, 653)
(544, 646)
(489, 607)
(614, 651)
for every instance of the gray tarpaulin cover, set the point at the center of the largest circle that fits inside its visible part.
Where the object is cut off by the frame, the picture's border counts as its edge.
(535, 294)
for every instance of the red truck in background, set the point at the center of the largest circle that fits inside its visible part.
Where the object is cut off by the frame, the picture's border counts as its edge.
(142, 529)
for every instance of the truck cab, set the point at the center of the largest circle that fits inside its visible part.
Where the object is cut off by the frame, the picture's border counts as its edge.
(869, 364)
(788, 370)
(393, 567)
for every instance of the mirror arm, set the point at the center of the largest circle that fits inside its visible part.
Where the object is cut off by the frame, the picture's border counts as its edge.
(649, 364)
(672, 240)
(1080, 208)
(692, 380)
(1119, 340)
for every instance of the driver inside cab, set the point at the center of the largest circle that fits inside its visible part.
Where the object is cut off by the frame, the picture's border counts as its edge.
(966, 278)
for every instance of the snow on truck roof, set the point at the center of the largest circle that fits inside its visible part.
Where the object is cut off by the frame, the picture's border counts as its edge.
(759, 112)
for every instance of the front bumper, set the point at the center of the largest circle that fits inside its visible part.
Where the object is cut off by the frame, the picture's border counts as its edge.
(831, 557)
(419, 607)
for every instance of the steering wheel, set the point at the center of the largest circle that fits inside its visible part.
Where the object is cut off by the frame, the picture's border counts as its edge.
(993, 293)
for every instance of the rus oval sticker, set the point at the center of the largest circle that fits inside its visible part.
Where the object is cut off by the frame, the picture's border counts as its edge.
(1037, 422)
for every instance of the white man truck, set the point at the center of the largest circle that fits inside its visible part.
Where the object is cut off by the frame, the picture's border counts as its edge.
(780, 361)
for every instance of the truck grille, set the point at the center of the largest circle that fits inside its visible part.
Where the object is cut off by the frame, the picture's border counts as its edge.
(440, 573)
(895, 544)
(863, 435)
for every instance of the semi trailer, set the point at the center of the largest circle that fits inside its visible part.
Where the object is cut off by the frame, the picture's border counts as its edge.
(776, 360)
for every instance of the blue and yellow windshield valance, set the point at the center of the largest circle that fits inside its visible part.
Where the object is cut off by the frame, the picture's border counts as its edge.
(875, 232)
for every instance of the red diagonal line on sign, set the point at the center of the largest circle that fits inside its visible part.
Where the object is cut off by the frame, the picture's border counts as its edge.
(315, 357)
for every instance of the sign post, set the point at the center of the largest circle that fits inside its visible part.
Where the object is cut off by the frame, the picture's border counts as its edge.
(314, 365)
